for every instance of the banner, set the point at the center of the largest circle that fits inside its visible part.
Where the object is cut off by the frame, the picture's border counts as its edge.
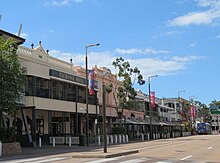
(152, 99)
(181, 108)
(91, 82)
(193, 111)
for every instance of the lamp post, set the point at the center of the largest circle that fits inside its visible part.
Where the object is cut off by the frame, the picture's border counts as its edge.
(150, 109)
(191, 104)
(104, 113)
(87, 111)
(179, 103)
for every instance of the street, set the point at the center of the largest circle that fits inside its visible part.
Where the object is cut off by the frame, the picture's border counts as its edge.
(196, 149)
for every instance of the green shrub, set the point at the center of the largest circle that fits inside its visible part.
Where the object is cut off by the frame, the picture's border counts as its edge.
(7, 135)
(118, 130)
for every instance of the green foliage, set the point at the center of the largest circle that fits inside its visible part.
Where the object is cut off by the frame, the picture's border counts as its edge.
(7, 135)
(118, 130)
(202, 112)
(12, 76)
(125, 92)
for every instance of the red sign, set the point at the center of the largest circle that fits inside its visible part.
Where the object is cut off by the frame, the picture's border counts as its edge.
(152, 99)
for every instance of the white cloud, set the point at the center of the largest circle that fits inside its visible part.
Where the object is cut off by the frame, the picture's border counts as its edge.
(61, 2)
(140, 51)
(147, 66)
(186, 58)
(205, 17)
(192, 45)
(218, 36)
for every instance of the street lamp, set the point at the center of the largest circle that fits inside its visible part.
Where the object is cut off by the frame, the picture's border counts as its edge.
(179, 103)
(87, 111)
(150, 109)
(191, 104)
(104, 114)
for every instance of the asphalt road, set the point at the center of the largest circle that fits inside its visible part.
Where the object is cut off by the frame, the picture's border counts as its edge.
(193, 149)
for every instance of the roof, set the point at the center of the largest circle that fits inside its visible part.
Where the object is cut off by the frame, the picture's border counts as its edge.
(7, 35)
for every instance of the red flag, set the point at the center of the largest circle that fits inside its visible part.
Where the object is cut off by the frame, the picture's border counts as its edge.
(192, 111)
(152, 99)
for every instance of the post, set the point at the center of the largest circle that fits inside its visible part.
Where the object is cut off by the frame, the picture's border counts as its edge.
(104, 119)
(39, 141)
(70, 141)
(87, 109)
(0, 148)
(151, 132)
(54, 142)
(150, 108)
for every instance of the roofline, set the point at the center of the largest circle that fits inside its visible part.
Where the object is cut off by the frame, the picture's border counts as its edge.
(18, 39)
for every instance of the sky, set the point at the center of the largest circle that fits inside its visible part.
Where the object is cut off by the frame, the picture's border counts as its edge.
(178, 40)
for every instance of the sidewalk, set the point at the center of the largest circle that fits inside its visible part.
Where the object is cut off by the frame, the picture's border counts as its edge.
(91, 151)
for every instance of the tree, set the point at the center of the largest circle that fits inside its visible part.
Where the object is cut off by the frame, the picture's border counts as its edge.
(124, 92)
(202, 112)
(12, 77)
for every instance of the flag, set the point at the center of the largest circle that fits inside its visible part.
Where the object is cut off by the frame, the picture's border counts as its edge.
(152, 99)
(181, 108)
(91, 82)
(192, 111)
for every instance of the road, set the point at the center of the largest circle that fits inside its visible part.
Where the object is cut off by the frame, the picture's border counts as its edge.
(193, 149)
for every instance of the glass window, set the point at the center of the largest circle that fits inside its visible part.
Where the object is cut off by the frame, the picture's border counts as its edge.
(81, 94)
(29, 86)
(70, 92)
(42, 87)
(57, 89)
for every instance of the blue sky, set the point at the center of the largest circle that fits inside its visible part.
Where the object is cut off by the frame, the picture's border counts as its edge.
(175, 39)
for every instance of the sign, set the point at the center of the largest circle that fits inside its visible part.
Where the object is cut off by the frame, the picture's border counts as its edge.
(215, 110)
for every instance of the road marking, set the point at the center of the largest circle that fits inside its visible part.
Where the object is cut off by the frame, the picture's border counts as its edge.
(135, 160)
(36, 160)
(186, 157)
(103, 160)
(210, 147)
(138, 160)
(162, 162)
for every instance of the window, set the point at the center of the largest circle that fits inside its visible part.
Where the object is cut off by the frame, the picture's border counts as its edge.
(57, 89)
(42, 87)
(29, 86)
(70, 92)
(81, 94)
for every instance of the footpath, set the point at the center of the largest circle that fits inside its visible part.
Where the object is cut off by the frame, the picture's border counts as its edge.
(91, 151)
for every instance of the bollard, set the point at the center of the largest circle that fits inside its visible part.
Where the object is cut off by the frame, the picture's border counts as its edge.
(70, 141)
(127, 138)
(154, 136)
(148, 136)
(123, 136)
(119, 138)
(0, 148)
(39, 141)
(142, 136)
(173, 135)
(99, 140)
(107, 137)
(116, 139)
(54, 142)
(111, 139)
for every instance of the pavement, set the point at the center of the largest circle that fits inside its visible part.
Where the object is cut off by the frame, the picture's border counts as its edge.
(91, 151)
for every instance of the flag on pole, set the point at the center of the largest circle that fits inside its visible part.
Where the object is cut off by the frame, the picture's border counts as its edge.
(152, 99)
(91, 82)
(193, 111)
